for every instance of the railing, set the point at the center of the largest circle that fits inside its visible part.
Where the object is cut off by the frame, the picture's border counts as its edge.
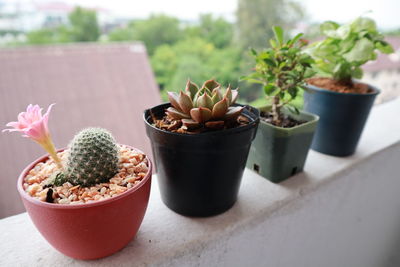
(338, 212)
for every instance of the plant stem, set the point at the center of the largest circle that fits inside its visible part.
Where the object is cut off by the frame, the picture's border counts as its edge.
(49, 147)
(276, 109)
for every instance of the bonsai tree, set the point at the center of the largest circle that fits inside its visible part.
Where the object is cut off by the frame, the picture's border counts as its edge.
(282, 70)
(346, 48)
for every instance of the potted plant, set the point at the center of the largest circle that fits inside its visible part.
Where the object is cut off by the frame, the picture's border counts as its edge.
(285, 133)
(342, 103)
(88, 200)
(200, 143)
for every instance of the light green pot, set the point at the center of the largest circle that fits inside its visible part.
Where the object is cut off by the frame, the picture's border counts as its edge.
(278, 153)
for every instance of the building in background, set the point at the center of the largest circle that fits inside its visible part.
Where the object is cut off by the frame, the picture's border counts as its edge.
(28, 15)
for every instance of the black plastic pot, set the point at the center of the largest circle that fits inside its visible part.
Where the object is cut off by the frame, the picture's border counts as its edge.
(200, 174)
(342, 118)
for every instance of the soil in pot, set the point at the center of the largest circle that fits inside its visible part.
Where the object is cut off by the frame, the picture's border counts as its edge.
(340, 87)
(133, 167)
(168, 124)
(285, 121)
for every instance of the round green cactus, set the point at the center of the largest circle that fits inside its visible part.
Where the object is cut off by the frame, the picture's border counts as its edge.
(92, 158)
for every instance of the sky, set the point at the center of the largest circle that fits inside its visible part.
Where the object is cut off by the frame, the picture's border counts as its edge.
(385, 12)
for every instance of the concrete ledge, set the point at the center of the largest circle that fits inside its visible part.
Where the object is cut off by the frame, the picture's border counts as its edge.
(338, 212)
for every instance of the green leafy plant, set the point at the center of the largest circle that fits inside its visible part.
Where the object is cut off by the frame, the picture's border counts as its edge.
(282, 70)
(207, 105)
(346, 48)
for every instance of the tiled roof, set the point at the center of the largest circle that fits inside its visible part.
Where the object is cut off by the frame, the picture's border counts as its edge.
(106, 85)
(386, 62)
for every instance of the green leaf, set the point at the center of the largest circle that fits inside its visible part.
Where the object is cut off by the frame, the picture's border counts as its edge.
(253, 52)
(273, 43)
(357, 73)
(328, 28)
(363, 23)
(270, 62)
(343, 32)
(384, 47)
(295, 39)
(293, 109)
(269, 88)
(250, 80)
(293, 92)
(278, 34)
(309, 73)
(361, 51)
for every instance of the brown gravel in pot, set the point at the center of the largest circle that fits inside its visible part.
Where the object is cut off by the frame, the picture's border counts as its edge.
(133, 167)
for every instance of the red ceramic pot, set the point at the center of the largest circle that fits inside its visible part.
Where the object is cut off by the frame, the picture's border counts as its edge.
(91, 230)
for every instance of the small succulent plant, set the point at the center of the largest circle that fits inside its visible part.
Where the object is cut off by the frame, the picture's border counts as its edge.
(207, 106)
(92, 158)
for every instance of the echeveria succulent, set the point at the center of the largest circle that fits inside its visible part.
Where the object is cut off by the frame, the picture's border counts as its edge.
(207, 105)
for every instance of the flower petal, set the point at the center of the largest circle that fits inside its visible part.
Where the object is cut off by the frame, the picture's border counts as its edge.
(45, 117)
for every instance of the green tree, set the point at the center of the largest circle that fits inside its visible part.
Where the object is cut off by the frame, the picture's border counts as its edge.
(197, 59)
(255, 18)
(164, 63)
(122, 34)
(83, 25)
(49, 36)
(217, 31)
(157, 30)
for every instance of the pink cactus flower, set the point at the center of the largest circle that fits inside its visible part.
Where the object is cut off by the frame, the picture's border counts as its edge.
(35, 126)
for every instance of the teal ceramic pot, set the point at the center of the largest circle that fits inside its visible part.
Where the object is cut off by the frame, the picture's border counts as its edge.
(278, 153)
(342, 118)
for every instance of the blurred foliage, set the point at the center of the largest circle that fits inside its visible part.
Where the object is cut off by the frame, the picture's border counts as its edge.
(48, 36)
(82, 27)
(155, 31)
(255, 19)
(207, 48)
(217, 31)
(197, 59)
